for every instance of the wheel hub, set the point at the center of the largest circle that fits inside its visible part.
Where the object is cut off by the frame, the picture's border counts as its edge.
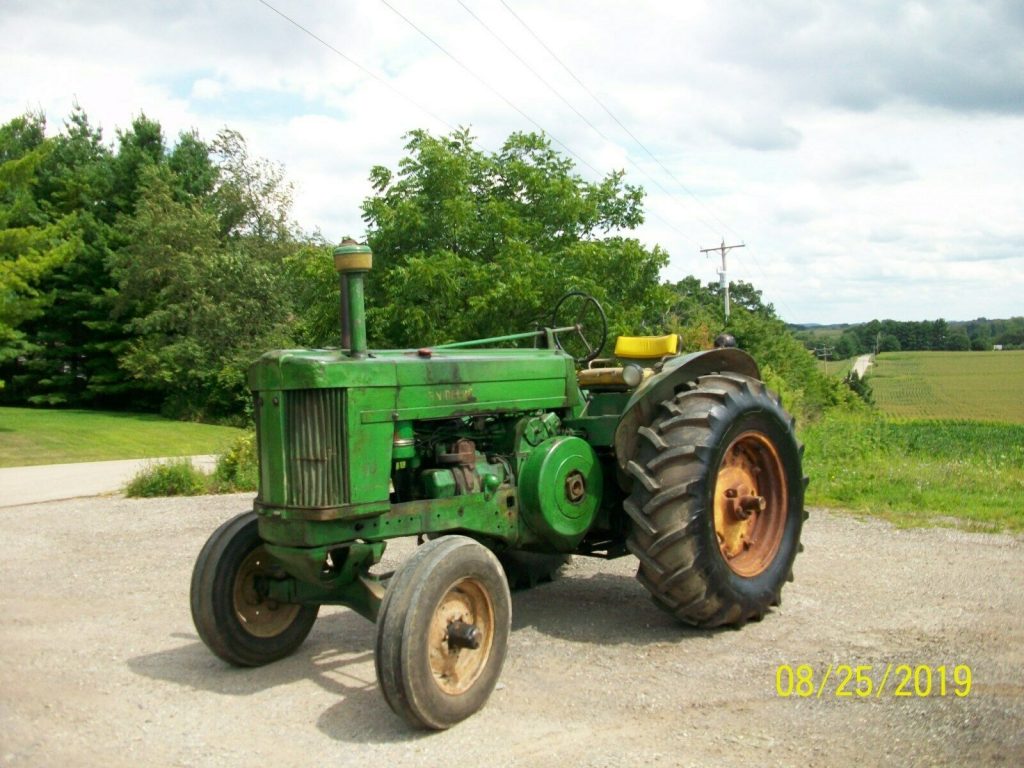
(575, 486)
(461, 634)
(260, 616)
(751, 504)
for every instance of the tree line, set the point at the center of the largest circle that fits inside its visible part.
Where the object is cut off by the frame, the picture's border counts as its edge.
(146, 274)
(919, 336)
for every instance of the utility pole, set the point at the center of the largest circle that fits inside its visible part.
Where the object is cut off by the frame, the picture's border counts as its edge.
(822, 353)
(723, 280)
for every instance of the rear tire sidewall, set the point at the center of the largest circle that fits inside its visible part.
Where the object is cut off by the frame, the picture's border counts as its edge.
(762, 588)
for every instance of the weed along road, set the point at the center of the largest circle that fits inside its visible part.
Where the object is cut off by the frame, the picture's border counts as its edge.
(891, 647)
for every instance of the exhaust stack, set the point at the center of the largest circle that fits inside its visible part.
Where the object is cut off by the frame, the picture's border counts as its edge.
(352, 261)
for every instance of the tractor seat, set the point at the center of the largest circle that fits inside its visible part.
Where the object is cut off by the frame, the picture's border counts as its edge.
(647, 347)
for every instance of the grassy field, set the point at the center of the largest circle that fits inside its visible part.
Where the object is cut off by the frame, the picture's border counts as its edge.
(977, 386)
(837, 368)
(918, 472)
(42, 436)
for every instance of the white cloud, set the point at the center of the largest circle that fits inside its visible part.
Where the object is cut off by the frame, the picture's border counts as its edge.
(205, 89)
(868, 154)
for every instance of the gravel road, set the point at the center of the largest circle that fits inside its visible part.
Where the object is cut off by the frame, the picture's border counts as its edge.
(101, 665)
(861, 365)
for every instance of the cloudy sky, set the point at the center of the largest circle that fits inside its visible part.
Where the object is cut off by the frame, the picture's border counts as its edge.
(869, 154)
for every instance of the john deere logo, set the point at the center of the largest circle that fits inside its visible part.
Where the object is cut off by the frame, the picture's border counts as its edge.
(460, 395)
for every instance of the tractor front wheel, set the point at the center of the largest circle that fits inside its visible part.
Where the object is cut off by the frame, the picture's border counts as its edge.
(442, 632)
(717, 502)
(231, 614)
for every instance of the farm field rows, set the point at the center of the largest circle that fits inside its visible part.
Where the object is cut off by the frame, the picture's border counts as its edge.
(976, 386)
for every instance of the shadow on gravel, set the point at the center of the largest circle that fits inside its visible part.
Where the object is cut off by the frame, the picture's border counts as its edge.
(339, 641)
(338, 656)
(604, 609)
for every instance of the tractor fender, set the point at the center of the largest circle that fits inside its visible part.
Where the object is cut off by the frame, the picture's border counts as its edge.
(674, 376)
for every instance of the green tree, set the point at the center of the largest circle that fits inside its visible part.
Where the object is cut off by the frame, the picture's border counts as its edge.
(139, 147)
(848, 345)
(698, 316)
(30, 249)
(77, 342)
(193, 166)
(469, 244)
(957, 339)
(889, 343)
(200, 310)
(250, 195)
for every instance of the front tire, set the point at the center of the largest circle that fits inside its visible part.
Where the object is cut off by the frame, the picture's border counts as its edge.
(717, 502)
(442, 632)
(235, 621)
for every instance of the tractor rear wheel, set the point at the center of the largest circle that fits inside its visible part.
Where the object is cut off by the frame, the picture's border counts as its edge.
(717, 501)
(442, 632)
(235, 620)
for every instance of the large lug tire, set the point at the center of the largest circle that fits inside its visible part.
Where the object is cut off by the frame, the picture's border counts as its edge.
(232, 618)
(449, 596)
(717, 502)
(525, 570)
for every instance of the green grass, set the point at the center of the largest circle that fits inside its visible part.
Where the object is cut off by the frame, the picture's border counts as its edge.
(918, 472)
(837, 368)
(47, 436)
(977, 386)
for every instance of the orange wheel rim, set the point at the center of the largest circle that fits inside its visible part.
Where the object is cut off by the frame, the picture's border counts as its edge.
(455, 668)
(751, 504)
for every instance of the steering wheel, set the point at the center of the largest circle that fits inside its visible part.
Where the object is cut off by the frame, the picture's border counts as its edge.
(582, 313)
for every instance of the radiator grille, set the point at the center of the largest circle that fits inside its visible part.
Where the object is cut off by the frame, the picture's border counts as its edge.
(314, 447)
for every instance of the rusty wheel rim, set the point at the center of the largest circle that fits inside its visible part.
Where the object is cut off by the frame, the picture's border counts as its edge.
(455, 668)
(751, 504)
(258, 615)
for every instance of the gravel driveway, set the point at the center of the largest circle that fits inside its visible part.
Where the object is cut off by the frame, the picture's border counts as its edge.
(101, 665)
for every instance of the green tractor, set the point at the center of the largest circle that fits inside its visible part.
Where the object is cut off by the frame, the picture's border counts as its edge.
(503, 462)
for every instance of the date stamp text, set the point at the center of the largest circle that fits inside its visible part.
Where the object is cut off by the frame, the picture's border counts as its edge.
(873, 681)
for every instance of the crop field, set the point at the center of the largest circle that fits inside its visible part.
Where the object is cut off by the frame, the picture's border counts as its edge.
(918, 472)
(974, 386)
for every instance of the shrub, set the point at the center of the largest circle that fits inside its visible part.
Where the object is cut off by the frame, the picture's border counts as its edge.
(238, 469)
(173, 478)
(860, 387)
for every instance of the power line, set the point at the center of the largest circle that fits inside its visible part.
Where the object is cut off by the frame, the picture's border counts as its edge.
(618, 121)
(764, 274)
(489, 87)
(533, 71)
(579, 114)
(358, 66)
(633, 136)
(399, 92)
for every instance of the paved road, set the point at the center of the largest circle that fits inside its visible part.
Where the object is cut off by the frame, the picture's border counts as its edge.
(53, 482)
